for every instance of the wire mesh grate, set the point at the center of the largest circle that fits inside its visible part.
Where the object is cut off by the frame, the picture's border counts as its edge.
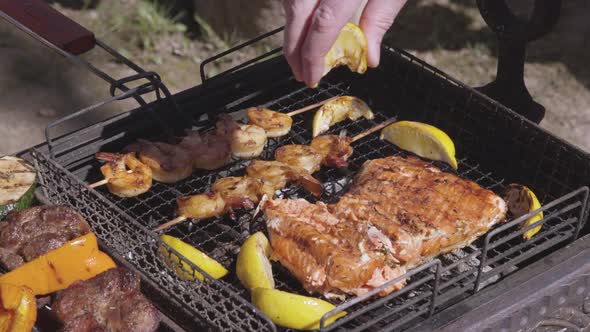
(221, 237)
(425, 95)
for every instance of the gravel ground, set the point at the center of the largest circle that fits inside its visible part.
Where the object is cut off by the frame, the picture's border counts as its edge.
(37, 87)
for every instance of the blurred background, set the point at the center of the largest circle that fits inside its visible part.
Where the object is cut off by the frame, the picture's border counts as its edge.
(173, 37)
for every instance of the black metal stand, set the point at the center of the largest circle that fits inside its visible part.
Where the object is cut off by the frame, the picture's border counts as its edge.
(513, 35)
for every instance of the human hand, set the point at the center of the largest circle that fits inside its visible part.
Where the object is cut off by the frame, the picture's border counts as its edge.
(313, 26)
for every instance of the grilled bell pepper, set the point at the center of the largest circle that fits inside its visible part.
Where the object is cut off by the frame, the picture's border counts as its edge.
(18, 309)
(79, 259)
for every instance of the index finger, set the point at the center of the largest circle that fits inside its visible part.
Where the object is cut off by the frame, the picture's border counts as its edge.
(298, 16)
(326, 23)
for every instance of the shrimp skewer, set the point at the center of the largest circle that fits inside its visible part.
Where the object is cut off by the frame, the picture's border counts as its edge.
(325, 150)
(199, 206)
(247, 141)
(226, 194)
(241, 191)
(277, 175)
(300, 157)
(169, 163)
(119, 180)
(210, 151)
(265, 177)
(277, 124)
(334, 149)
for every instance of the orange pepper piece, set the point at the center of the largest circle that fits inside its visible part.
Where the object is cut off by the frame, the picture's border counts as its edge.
(18, 309)
(79, 259)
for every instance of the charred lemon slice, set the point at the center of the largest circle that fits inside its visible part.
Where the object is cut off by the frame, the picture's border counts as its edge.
(253, 266)
(291, 310)
(422, 139)
(195, 256)
(521, 200)
(338, 110)
(350, 49)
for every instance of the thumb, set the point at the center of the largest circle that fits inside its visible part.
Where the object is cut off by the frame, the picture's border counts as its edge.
(377, 18)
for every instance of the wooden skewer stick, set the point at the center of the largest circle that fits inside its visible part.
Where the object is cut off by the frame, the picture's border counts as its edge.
(310, 107)
(171, 223)
(99, 183)
(374, 129)
(103, 181)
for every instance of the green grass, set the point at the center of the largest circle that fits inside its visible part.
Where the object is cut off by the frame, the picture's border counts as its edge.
(137, 28)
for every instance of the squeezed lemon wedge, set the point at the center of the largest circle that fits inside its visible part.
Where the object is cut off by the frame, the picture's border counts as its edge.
(338, 110)
(195, 256)
(350, 49)
(422, 139)
(253, 265)
(521, 200)
(291, 310)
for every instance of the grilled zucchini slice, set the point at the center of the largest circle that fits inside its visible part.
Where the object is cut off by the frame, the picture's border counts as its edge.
(17, 185)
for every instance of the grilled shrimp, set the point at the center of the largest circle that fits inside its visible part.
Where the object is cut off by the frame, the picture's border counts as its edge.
(277, 175)
(335, 150)
(209, 151)
(241, 191)
(226, 125)
(121, 182)
(201, 206)
(276, 124)
(247, 141)
(169, 163)
(299, 156)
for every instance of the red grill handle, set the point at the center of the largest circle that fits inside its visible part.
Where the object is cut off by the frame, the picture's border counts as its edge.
(46, 22)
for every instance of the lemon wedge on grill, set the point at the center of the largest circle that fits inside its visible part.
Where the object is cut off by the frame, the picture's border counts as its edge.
(253, 266)
(291, 310)
(350, 49)
(338, 110)
(521, 200)
(422, 139)
(195, 256)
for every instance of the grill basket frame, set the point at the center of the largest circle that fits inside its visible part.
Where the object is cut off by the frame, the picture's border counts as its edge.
(223, 305)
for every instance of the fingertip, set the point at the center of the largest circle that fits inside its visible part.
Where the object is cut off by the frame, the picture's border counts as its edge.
(374, 55)
(294, 65)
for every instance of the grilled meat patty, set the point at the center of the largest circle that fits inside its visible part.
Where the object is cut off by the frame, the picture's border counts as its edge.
(28, 234)
(399, 213)
(111, 301)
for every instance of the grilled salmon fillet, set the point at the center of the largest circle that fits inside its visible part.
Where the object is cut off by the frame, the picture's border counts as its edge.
(399, 213)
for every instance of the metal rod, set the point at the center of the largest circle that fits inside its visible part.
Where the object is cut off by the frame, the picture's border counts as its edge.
(233, 49)
(81, 112)
(119, 56)
(579, 225)
(435, 290)
(249, 62)
(482, 263)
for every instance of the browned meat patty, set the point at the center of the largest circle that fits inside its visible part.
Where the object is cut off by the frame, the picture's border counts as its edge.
(28, 234)
(110, 302)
